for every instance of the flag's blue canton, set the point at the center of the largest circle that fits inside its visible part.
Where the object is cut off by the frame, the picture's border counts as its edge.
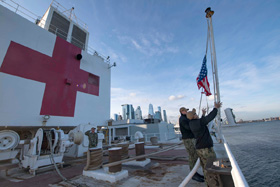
(203, 71)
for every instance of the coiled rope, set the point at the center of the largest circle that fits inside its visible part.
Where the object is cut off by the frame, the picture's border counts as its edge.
(49, 137)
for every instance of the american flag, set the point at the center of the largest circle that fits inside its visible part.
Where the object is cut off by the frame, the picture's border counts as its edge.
(202, 80)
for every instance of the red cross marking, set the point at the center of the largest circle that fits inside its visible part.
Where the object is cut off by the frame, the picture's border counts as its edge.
(61, 73)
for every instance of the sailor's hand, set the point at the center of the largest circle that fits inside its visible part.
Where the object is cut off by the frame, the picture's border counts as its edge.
(203, 111)
(218, 104)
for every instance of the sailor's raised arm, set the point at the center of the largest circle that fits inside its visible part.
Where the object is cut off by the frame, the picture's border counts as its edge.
(213, 113)
(87, 132)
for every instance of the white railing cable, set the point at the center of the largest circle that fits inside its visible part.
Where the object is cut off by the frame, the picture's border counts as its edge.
(167, 136)
(191, 174)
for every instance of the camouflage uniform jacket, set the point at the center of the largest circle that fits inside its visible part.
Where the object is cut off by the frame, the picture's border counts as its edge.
(92, 139)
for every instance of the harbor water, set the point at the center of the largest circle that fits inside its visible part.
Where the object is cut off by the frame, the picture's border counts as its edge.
(256, 147)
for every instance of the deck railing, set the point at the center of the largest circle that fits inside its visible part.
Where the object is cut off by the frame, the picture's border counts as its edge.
(236, 173)
(161, 137)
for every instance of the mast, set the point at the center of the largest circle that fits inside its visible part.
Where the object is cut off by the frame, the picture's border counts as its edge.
(209, 14)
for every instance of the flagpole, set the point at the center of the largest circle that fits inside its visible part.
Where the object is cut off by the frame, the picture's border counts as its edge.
(209, 14)
(200, 104)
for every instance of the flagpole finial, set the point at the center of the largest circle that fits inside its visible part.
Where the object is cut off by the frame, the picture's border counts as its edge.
(209, 12)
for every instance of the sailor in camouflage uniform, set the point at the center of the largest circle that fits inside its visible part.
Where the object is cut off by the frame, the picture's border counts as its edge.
(204, 142)
(189, 142)
(92, 138)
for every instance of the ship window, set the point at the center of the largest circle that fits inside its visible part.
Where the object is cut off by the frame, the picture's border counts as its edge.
(59, 26)
(78, 37)
(93, 79)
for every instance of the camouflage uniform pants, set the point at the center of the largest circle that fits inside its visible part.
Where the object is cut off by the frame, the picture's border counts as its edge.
(203, 155)
(190, 147)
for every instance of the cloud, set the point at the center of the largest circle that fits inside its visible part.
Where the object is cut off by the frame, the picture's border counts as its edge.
(140, 98)
(136, 45)
(132, 94)
(241, 86)
(146, 42)
(153, 43)
(211, 98)
(121, 96)
(173, 97)
(249, 85)
(115, 56)
(180, 96)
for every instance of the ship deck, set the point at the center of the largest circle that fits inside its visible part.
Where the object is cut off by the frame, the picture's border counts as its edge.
(166, 169)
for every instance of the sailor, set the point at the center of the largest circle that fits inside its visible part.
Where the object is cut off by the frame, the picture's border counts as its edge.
(189, 142)
(204, 142)
(92, 138)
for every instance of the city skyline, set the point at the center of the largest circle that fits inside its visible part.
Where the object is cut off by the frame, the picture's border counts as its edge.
(128, 112)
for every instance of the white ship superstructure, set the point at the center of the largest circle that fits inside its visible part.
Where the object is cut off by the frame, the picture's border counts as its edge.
(50, 81)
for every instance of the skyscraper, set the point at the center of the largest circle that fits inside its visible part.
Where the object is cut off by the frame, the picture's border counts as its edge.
(164, 116)
(157, 115)
(159, 109)
(116, 117)
(151, 110)
(138, 113)
(128, 111)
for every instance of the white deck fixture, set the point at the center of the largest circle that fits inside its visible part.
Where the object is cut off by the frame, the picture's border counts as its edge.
(230, 116)
(35, 158)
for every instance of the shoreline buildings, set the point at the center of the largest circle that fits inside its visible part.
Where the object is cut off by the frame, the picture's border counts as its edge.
(151, 110)
(164, 116)
(138, 113)
(128, 112)
(131, 121)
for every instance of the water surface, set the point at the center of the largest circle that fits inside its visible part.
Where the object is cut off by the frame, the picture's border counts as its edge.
(256, 147)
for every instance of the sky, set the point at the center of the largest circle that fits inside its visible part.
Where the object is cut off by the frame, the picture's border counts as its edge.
(159, 45)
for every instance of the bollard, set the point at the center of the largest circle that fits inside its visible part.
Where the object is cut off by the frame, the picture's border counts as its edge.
(124, 146)
(141, 140)
(140, 150)
(154, 140)
(114, 156)
(94, 159)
